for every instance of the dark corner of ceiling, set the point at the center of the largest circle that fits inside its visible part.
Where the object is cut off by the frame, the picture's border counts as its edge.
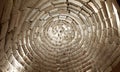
(1, 70)
(116, 68)
(118, 1)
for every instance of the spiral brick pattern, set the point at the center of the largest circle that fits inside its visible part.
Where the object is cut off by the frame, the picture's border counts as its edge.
(59, 36)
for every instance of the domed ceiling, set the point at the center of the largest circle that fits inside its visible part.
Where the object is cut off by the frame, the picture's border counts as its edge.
(59, 35)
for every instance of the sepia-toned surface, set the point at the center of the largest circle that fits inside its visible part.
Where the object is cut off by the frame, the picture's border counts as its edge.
(59, 35)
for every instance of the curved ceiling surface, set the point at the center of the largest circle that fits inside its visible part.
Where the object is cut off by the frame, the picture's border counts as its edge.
(59, 36)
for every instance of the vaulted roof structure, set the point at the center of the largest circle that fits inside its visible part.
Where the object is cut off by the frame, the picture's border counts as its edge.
(59, 35)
